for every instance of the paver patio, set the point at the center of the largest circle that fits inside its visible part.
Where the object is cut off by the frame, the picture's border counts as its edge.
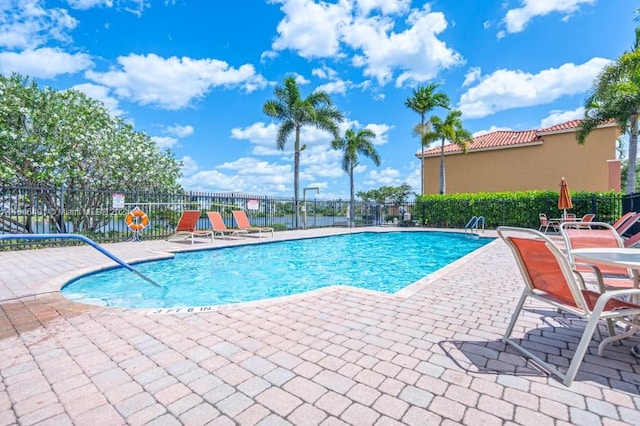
(428, 356)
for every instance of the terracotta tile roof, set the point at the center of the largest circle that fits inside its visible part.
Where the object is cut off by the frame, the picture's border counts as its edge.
(503, 138)
(569, 125)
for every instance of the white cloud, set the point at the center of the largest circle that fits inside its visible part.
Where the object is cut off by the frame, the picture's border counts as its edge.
(27, 24)
(101, 93)
(44, 62)
(337, 86)
(325, 72)
(385, 177)
(415, 54)
(317, 161)
(134, 6)
(269, 55)
(517, 19)
(300, 79)
(252, 166)
(558, 116)
(507, 89)
(261, 135)
(179, 131)
(386, 7)
(312, 29)
(489, 130)
(165, 141)
(320, 161)
(213, 181)
(173, 83)
(249, 175)
(472, 76)
(412, 55)
(189, 166)
(381, 131)
(88, 4)
(246, 175)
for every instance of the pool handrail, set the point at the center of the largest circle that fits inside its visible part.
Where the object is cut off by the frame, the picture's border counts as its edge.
(84, 239)
(474, 224)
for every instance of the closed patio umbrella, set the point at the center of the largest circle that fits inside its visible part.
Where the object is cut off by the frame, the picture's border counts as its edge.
(564, 200)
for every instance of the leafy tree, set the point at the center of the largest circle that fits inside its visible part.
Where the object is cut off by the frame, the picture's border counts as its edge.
(615, 96)
(352, 144)
(624, 172)
(396, 195)
(423, 100)
(448, 129)
(66, 139)
(293, 113)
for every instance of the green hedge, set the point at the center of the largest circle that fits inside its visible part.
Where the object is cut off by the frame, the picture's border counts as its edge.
(511, 208)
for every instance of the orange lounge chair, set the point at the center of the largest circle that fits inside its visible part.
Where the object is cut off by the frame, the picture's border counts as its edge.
(550, 279)
(186, 227)
(626, 222)
(243, 223)
(545, 224)
(218, 226)
(588, 217)
(633, 240)
(622, 219)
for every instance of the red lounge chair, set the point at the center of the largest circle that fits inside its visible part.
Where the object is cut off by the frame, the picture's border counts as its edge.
(243, 223)
(187, 224)
(550, 279)
(218, 226)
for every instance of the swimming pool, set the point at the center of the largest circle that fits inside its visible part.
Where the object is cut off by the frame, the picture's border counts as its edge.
(385, 261)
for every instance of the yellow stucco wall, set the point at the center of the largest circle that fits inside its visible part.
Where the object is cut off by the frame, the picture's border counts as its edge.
(538, 167)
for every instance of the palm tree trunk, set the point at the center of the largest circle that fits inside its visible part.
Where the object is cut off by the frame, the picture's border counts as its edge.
(442, 183)
(422, 156)
(633, 152)
(352, 200)
(296, 178)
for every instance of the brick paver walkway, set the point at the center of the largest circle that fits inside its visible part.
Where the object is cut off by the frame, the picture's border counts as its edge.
(430, 356)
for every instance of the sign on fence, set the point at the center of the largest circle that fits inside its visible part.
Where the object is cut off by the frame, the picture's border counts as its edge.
(118, 200)
(253, 205)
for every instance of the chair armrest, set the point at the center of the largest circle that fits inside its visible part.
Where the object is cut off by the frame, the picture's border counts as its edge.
(596, 271)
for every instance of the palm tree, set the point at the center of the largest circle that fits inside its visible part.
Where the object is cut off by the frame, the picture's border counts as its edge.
(351, 145)
(293, 113)
(450, 129)
(425, 99)
(615, 96)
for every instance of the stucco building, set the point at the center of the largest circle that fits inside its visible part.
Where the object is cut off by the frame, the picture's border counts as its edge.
(509, 161)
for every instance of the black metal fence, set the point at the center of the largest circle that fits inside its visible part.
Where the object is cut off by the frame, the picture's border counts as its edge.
(631, 203)
(100, 215)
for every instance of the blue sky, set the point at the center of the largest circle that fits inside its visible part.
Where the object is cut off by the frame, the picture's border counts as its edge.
(194, 74)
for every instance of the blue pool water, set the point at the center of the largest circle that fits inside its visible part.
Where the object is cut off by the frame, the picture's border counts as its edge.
(387, 262)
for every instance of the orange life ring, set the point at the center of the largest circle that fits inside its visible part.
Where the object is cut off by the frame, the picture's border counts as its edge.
(136, 226)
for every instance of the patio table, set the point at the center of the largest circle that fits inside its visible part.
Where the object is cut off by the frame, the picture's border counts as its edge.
(620, 257)
(563, 219)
